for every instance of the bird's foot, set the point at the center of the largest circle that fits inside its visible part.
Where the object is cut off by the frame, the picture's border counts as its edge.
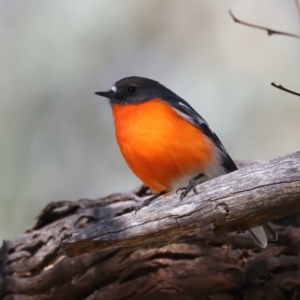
(147, 201)
(191, 186)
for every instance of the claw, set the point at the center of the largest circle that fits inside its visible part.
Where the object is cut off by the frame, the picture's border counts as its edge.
(148, 201)
(191, 186)
(183, 194)
(194, 188)
(180, 189)
(135, 209)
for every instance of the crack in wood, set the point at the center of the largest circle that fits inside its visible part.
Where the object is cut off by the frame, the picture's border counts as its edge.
(227, 267)
(260, 182)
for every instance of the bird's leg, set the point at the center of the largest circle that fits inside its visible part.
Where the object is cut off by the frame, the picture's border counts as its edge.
(191, 186)
(148, 201)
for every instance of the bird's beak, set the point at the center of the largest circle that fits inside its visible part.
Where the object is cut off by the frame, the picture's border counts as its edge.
(110, 94)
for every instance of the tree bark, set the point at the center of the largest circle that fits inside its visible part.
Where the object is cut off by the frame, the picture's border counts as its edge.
(238, 201)
(191, 265)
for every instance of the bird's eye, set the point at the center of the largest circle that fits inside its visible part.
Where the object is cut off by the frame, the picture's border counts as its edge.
(131, 89)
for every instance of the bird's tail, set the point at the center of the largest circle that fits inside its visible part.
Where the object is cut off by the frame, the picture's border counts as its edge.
(263, 234)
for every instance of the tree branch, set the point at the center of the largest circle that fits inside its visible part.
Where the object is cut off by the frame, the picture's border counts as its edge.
(240, 200)
(228, 267)
(280, 87)
(269, 30)
(298, 7)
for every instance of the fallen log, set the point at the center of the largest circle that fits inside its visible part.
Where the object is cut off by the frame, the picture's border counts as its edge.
(246, 198)
(192, 265)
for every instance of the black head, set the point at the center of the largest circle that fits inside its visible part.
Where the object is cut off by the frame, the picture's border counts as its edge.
(134, 90)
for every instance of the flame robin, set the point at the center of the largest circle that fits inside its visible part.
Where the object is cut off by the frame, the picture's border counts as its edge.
(166, 143)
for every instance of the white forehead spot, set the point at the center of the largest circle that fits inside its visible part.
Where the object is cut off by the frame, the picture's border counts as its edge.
(113, 88)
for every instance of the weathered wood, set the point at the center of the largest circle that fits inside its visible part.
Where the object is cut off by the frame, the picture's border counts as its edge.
(230, 267)
(238, 201)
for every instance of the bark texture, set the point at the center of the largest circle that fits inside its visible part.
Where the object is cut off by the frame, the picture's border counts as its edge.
(237, 201)
(190, 266)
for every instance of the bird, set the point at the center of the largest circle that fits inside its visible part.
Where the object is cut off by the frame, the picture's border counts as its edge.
(167, 144)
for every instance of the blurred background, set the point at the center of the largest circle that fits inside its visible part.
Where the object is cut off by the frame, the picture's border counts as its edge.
(57, 138)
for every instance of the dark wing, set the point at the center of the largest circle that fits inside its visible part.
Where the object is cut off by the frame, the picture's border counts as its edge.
(187, 112)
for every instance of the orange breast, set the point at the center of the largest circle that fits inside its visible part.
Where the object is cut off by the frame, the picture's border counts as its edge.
(158, 145)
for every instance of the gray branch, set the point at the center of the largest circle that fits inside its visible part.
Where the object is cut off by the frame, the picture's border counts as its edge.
(249, 197)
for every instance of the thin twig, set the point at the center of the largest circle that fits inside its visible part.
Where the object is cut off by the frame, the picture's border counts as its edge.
(298, 7)
(269, 31)
(284, 89)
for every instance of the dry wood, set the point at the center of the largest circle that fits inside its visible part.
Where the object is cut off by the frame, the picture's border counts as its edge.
(229, 267)
(243, 199)
(268, 30)
(225, 268)
(280, 87)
